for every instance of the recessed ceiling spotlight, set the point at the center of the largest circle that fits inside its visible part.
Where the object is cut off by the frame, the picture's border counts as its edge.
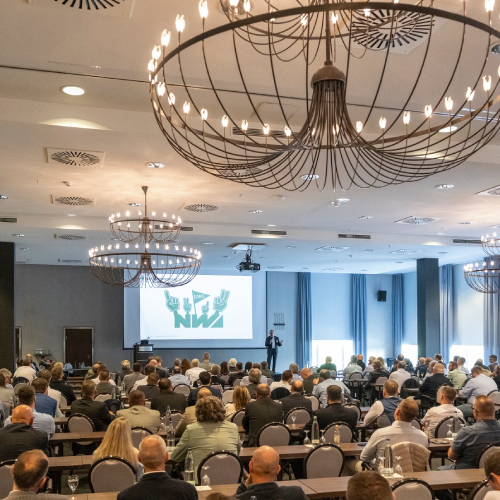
(442, 253)
(30, 260)
(368, 250)
(155, 164)
(3, 197)
(364, 269)
(225, 256)
(310, 177)
(18, 235)
(73, 90)
(291, 246)
(255, 211)
(464, 223)
(135, 204)
(24, 248)
(207, 243)
(444, 186)
(440, 234)
(115, 239)
(342, 200)
(398, 262)
(271, 225)
(365, 217)
(71, 215)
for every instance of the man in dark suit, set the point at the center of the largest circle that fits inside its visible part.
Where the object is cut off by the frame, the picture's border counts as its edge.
(155, 481)
(296, 399)
(160, 370)
(431, 384)
(150, 389)
(373, 376)
(272, 344)
(334, 412)
(261, 481)
(239, 373)
(260, 412)
(168, 397)
(58, 385)
(308, 377)
(203, 381)
(20, 436)
(97, 411)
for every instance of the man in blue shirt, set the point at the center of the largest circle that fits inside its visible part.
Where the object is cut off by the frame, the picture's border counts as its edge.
(324, 381)
(479, 385)
(472, 440)
(44, 403)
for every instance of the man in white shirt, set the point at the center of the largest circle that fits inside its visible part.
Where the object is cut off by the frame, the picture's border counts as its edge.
(25, 370)
(324, 381)
(286, 380)
(479, 385)
(446, 409)
(387, 406)
(400, 375)
(263, 379)
(461, 366)
(492, 473)
(194, 372)
(352, 367)
(400, 431)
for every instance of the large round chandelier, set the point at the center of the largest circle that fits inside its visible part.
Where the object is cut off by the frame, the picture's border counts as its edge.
(147, 254)
(483, 277)
(387, 106)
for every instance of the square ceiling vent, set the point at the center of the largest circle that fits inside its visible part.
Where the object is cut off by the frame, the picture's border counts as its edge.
(493, 191)
(416, 220)
(113, 8)
(75, 157)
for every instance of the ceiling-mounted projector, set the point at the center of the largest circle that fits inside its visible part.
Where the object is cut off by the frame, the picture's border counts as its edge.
(247, 264)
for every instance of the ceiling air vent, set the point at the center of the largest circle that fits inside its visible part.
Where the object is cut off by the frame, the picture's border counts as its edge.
(12, 220)
(201, 207)
(75, 157)
(331, 249)
(71, 237)
(243, 247)
(74, 201)
(275, 267)
(466, 242)
(356, 236)
(417, 221)
(183, 228)
(70, 261)
(494, 191)
(405, 251)
(266, 231)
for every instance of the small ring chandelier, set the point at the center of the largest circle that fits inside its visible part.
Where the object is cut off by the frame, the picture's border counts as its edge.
(147, 255)
(386, 107)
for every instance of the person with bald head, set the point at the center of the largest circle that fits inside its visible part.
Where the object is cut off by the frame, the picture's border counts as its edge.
(189, 416)
(260, 412)
(20, 436)
(138, 414)
(261, 481)
(432, 383)
(296, 398)
(156, 482)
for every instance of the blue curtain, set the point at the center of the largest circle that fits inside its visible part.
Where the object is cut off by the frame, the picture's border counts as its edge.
(303, 345)
(397, 313)
(446, 309)
(491, 320)
(358, 312)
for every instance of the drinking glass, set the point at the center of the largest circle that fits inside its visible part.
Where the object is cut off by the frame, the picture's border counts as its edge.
(306, 439)
(380, 466)
(205, 480)
(449, 434)
(73, 484)
(294, 417)
(398, 469)
(322, 439)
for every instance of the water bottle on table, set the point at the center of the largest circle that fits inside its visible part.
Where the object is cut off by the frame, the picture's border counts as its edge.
(315, 431)
(388, 464)
(189, 467)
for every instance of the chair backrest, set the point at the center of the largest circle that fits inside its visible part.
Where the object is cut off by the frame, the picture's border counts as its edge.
(383, 421)
(176, 418)
(217, 386)
(479, 491)
(103, 397)
(225, 378)
(314, 402)
(410, 383)
(382, 380)
(20, 385)
(236, 381)
(80, 423)
(6, 480)
(138, 434)
(325, 460)
(237, 417)
(416, 423)
(222, 467)
(279, 393)
(412, 489)
(183, 389)
(442, 428)
(353, 407)
(333, 374)
(63, 402)
(227, 396)
(416, 378)
(20, 380)
(346, 434)
(111, 474)
(487, 451)
(495, 397)
(269, 380)
(356, 376)
(302, 416)
(274, 434)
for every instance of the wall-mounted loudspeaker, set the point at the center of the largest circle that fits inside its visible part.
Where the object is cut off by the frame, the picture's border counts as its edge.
(381, 295)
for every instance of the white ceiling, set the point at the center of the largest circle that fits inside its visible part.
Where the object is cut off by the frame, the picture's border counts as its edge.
(115, 47)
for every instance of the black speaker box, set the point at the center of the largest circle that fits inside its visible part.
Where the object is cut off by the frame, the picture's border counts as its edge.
(381, 295)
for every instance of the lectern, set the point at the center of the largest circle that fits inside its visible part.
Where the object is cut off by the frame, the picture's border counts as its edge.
(142, 351)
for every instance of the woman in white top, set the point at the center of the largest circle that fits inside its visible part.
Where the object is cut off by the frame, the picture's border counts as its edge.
(241, 397)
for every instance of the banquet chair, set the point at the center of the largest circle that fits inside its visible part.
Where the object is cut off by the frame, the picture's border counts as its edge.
(6, 480)
(487, 451)
(81, 423)
(383, 421)
(237, 417)
(314, 402)
(346, 433)
(442, 428)
(274, 434)
(183, 389)
(111, 474)
(103, 397)
(138, 434)
(412, 489)
(355, 408)
(324, 460)
(227, 396)
(479, 491)
(221, 467)
(302, 416)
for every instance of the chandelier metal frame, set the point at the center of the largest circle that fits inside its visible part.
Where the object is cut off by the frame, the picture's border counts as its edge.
(329, 148)
(485, 279)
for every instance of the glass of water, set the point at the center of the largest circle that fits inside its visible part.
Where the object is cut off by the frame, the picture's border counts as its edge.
(294, 417)
(322, 439)
(398, 469)
(205, 480)
(306, 439)
(73, 484)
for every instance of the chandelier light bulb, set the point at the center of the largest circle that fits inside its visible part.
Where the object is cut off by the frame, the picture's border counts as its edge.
(161, 89)
(448, 102)
(265, 129)
(244, 125)
(487, 83)
(171, 99)
(165, 38)
(469, 94)
(233, 3)
(406, 117)
(247, 5)
(203, 7)
(359, 127)
(156, 52)
(127, 213)
(367, 12)
(428, 111)
(288, 132)
(489, 4)
(382, 122)
(335, 129)
(186, 107)
(180, 23)
(335, 18)
(303, 20)
(151, 66)
(225, 121)
(204, 114)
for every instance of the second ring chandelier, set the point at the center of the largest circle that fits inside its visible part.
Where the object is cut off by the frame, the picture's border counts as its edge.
(406, 91)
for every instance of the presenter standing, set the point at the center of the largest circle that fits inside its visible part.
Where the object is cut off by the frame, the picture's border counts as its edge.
(272, 344)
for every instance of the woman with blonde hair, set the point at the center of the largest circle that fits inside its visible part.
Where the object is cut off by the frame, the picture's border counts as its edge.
(241, 397)
(117, 442)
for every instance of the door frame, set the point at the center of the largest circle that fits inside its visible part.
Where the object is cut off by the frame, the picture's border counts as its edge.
(20, 339)
(77, 328)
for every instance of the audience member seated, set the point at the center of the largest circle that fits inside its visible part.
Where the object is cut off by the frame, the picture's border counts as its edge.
(102, 367)
(97, 411)
(44, 403)
(408, 363)
(373, 376)
(42, 422)
(261, 481)
(495, 376)
(286, 380)
(445, 409)
(138, 415)
(264, 368)
(20, 436)
(394, 367)
(324, 382)
(492, 473)
(224, 369)
(160, 370)
(189, 416)
(462, 367)
(368, 485)
(260, 412)
(232, 365)
(150, 390)
(400, 375)
(360, 362)
(8, 377)
(178, 378)
(493, 360)
(479, 385)
(254, 379)
(58, 384)
(212, 432)
(156, 482)
(25, 370)
(471, 440)
(421, 368)
(401, 430)
(431, 385)
(93, 372)
(203, 381)
(185, 365)
(246, 380)
(310, 380)
(205, 364)
(334, 412)
(456, 376)
(327, 365)
(6, 395)
(53, 393)
(136, 375)
(479, 362)
(177, 362)
(117, 442)
(167, 397)
(248, 366)
(104, 385)
(239, 373)
(430, 368)
(241, 397)
(296, 398)
(369, 367)
(194, 372)
(215, 378)
(439, 359)
(123, 371)
(294, 368)
(352, 367)
(148, 370)
(387, 406)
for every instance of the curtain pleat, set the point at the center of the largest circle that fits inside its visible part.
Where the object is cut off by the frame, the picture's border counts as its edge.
(304, 333)
(397, 313)
(446, 309)
(358, 312)
(491, 328)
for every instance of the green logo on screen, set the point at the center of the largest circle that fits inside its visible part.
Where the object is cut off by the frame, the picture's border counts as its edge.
(195, 320)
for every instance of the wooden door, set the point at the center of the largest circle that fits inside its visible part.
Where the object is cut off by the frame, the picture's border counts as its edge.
(78, 346)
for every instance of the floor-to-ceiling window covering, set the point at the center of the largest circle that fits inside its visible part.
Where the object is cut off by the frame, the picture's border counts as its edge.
(491, 306)
(304, 334)
(446, 309)
(397, 313)
(358, 305)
